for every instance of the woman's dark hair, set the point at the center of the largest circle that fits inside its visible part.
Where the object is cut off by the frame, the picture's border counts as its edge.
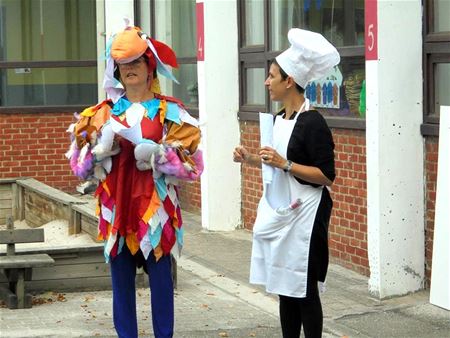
(155, 74)
(284, 76)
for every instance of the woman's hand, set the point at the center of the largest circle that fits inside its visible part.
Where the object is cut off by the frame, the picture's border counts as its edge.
(271, 157)
(240, 154)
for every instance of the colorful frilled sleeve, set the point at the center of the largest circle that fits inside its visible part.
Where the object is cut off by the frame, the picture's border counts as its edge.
(138, 200)
(180, 156)
(84, 136)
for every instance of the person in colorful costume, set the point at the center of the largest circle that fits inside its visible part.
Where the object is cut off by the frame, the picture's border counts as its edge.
(290, 244)
(138, 144)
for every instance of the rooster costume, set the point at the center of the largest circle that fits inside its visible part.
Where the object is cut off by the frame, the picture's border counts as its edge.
(138, 152)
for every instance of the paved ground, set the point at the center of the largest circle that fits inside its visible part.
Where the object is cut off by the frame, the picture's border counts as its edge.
(214, 299)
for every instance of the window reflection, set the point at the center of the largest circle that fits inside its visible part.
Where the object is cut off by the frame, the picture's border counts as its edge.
(47, 30)
(254, 23)
(442, 85)
(184, 28)
(341, 22)
(255, 93)
(187, 90)
(48, 86)
(441, 15)
(175, 24)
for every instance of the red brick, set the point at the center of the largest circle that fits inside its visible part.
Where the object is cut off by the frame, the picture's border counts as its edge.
(356, 260)
(349, 249)
(27, 163)
(359, 235)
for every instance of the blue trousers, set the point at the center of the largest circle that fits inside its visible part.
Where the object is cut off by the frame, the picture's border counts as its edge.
(123, 272)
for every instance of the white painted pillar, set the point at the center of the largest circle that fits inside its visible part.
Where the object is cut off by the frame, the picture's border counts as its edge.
(101, 44)
(395, 174)
(218, 104)
(110, 20)
(115, 12)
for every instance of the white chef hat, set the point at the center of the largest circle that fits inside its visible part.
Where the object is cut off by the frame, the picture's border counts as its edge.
(309, 58)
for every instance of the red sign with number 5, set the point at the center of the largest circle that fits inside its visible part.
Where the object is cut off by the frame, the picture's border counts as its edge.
(371, 29)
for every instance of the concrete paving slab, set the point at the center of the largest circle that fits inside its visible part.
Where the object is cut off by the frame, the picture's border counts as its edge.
(395, 323)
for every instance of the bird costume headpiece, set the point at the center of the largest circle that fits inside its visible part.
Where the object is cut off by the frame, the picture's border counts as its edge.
(129, 45)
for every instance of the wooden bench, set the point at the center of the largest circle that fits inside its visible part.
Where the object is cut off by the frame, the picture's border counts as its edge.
(18, 268)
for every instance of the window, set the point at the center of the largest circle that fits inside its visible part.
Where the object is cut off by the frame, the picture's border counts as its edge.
(263, 31)
(48, 53)
(437, 62)
(174, 22)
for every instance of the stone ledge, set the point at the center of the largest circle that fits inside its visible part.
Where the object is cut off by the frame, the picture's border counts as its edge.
(47, 191)
(86, 209)
(10, 180)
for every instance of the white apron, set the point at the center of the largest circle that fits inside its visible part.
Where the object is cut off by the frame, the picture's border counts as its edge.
(280, 251)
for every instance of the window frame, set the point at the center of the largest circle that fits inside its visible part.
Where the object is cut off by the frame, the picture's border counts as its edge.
(436, 49)
(261, 54)
(193, 110)
(46, 64)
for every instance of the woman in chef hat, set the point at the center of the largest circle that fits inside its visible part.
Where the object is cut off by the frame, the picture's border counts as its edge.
(290, 234)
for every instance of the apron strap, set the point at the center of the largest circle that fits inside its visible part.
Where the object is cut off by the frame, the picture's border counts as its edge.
(304, 107)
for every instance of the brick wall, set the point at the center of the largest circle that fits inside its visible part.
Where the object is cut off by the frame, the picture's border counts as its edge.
(431, 160)
(33, 145)
(348, 226)
(251, 177)
(190, 196)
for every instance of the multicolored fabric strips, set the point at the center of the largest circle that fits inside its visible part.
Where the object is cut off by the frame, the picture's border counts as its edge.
(136, 207)
(160, 227)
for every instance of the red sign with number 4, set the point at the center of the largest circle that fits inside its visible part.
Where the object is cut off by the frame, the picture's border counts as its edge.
(371, 29)
(200, 32)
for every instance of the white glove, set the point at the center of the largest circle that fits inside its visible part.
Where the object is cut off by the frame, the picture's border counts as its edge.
(99, 172)
(101, 152)
(104, 146)
(144, 151)
(143, 165)
(106, 136)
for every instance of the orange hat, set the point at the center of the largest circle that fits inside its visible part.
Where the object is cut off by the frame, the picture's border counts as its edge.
(132, 43)
(128, 45)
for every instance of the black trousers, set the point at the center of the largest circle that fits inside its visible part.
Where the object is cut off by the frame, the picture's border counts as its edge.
(306, 312)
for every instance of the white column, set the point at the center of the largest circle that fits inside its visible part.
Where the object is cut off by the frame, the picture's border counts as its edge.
(110, 20)
(163, 30)
(115, 12)
(395, 174)
(218, 104)
(101, 43)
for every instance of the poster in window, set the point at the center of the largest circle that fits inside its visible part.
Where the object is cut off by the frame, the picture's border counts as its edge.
(325, 92)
